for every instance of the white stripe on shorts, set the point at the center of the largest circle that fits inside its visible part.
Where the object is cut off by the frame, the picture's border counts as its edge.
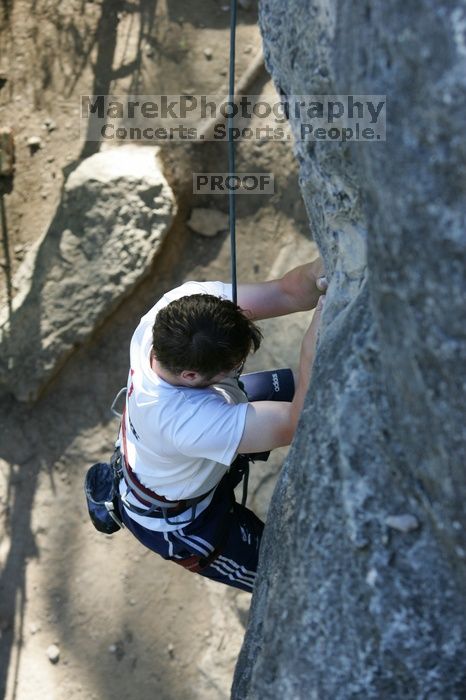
(246, 572)
(232, 577)
(189, 542)
(170, 545)
(236, 569)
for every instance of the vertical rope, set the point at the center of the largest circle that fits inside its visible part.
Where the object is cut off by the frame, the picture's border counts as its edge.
(231, 150)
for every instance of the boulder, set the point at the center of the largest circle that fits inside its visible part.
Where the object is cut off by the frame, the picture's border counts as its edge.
(115, 212)
(208, 222)
(361, 584)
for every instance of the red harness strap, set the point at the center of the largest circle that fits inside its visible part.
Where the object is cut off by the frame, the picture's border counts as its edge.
(191, 563)
(196, 564)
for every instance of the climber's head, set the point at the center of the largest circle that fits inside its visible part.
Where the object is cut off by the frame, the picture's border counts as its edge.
(201, 339)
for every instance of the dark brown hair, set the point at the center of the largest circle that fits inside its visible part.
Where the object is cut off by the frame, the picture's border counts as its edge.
(204, 334)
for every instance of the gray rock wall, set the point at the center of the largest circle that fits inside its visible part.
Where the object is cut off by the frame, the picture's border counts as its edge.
(361, 592)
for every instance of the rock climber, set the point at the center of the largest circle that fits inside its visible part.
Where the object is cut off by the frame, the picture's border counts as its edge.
(190, 421)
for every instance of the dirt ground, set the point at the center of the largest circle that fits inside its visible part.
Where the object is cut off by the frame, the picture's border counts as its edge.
(126, 623)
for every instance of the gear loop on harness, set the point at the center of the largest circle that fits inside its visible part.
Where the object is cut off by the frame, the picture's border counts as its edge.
(115, 401)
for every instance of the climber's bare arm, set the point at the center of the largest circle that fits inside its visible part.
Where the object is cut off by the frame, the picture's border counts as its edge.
(268, 425)
(298, 290)
(271, 424)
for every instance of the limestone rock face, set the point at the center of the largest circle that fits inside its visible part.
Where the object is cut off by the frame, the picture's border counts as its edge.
(361, 590)
(115, 212)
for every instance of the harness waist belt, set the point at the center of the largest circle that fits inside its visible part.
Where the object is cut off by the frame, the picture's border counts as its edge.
(150, 498)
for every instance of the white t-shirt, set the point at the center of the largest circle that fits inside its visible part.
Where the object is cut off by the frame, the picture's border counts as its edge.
(180, 441)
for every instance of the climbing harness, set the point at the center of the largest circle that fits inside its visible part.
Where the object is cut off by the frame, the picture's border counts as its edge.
(268, 385)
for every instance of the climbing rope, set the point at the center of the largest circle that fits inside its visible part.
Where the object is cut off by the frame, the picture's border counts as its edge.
(231, 150)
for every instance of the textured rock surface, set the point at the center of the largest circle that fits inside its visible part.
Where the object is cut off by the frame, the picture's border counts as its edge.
(208, 222)
(116, 210)
(346, 604)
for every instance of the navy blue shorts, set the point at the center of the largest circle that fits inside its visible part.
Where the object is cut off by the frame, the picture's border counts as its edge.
(223, 542)
(225, 531)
